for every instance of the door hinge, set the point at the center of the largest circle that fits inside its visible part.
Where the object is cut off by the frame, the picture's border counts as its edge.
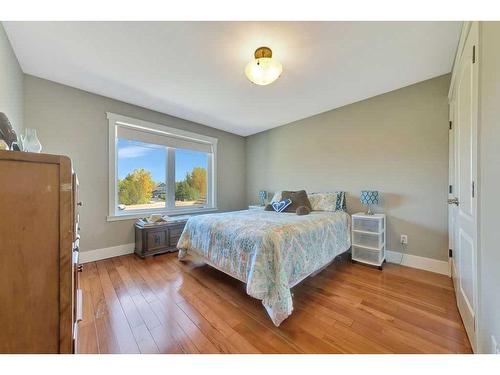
(450, 189)
(451, 125)
(450, 253)
(473, 54)
(473, 189)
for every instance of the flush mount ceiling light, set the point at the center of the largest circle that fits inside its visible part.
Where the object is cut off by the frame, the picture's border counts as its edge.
(264, 69)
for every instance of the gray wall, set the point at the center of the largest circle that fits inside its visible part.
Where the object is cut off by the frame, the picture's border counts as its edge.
(489, 185)
(11, 84)
(396, 143)
(73, 122)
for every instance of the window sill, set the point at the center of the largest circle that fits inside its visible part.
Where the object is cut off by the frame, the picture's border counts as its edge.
(173, 213)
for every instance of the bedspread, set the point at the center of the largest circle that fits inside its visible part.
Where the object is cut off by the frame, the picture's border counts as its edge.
(269, 251)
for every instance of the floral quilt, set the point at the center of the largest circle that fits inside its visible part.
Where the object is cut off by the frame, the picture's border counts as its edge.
(269, 251)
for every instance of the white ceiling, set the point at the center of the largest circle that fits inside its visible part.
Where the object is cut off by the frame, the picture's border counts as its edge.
(195, 70)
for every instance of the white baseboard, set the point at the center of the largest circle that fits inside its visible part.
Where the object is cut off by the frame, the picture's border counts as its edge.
(107, 252)
(427, 264)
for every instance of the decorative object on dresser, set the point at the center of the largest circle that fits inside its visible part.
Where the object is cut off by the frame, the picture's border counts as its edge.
(7, 133)
(158, 238)
(369, 197)
(40, 302)
(30, 142)
(368, 239)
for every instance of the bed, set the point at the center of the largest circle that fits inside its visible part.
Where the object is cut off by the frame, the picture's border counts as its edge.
(269, 251)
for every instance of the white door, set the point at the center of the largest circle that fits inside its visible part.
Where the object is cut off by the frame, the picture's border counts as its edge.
(465, 213)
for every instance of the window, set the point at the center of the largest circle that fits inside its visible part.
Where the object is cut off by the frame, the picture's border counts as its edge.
(191, 187)
(157, 169)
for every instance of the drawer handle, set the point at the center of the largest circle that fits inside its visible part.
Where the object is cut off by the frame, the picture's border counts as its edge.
(157, 239)
(79, 305)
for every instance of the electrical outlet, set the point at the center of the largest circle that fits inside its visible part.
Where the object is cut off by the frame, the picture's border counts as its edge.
(404, 239)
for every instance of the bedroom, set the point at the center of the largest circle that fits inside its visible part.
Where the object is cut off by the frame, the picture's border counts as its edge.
(249, 187)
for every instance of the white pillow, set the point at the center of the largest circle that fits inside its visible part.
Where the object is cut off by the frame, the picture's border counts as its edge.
(277, 196)
(323, 201)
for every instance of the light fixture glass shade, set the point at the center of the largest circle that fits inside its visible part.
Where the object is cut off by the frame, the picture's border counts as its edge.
(263, 71)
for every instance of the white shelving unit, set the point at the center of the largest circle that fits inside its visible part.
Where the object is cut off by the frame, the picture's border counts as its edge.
(368, 239)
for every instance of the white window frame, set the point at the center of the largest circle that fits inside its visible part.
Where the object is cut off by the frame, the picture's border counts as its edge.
(114, 121)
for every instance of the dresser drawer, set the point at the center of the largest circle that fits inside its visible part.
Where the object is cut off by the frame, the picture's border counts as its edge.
(156, 239)
(174, 235)
(176, 231)
(173, 239)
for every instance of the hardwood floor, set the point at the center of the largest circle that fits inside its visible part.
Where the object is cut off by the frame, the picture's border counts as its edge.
(161, 305)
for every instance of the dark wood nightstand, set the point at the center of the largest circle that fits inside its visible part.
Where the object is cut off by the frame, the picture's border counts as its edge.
(157, 239)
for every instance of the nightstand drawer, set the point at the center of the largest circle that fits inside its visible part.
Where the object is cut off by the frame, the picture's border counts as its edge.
(368, 239)
(368, 225)
(375, 257)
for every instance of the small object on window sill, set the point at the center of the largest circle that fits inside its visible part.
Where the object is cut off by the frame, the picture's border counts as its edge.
(156, 219)
(3, 145)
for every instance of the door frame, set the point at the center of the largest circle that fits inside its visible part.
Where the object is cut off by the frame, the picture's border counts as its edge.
(452, 173)
(466, 29)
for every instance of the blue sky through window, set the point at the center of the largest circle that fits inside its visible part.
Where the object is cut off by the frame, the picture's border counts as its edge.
(186, 160)
(134, 155)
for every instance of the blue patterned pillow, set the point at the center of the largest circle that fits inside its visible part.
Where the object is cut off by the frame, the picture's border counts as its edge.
(341, 201)
(281, 205)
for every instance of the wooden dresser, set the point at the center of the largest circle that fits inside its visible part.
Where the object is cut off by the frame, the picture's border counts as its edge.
(40, 300)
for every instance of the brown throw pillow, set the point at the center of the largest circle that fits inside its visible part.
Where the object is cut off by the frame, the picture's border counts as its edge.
(303, 210)
(268, 208)
(299, 198)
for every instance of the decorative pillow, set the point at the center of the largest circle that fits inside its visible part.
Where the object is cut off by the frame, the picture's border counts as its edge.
(303, 210)
(269, 207)
(281, 205)
(323, 201)
(341, 201)
(298, 198)
(276, 196)
(316, 200)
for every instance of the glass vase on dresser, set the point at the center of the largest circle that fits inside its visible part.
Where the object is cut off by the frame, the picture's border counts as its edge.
(31, 142)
